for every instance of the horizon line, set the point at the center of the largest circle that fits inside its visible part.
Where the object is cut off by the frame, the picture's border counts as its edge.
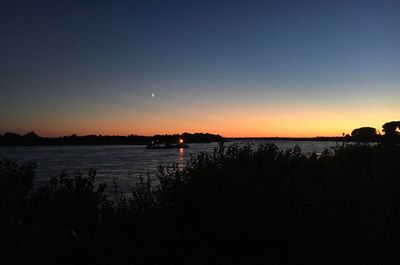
(147, 135)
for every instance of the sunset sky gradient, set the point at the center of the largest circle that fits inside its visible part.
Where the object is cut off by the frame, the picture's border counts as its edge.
(236, 68)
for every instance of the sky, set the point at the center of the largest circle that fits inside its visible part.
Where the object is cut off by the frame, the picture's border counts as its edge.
(236, 68)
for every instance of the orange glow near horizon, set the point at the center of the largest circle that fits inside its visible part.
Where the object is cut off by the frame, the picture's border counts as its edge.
(254, 122)
(248, 117)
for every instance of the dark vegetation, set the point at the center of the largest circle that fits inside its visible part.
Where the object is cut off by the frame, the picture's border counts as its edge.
(391, 128)
(365, 134)
(235, 206)
(33, 139)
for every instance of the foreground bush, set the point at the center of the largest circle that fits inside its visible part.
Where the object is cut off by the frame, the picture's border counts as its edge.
(235, 206)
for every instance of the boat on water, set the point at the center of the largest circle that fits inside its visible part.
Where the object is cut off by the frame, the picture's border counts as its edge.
(157, 145)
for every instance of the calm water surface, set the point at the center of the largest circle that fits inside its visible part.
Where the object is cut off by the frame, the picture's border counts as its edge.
(122, 163)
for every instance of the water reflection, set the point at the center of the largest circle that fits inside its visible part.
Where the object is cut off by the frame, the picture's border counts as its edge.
(181, 158)
(123, 163)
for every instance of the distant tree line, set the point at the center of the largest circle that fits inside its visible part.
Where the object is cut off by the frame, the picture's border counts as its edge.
(391, 132)
(34, 139)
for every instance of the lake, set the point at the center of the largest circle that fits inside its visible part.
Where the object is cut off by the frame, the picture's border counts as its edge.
(121, 163)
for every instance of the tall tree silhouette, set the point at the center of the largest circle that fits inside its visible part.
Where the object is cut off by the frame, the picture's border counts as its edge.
(390, 128)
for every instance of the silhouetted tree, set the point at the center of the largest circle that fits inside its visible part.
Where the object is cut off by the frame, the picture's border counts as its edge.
(364, 134)
(390, 128)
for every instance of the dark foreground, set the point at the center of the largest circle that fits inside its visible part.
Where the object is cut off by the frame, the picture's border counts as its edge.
(236, 206)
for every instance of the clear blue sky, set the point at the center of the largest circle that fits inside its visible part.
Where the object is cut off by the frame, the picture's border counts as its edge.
(290, 68)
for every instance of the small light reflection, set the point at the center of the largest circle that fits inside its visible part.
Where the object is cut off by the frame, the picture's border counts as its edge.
(181, 161)
(181, 153)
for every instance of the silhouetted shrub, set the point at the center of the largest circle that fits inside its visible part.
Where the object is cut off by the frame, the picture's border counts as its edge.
(238, 205)
(15, 185)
